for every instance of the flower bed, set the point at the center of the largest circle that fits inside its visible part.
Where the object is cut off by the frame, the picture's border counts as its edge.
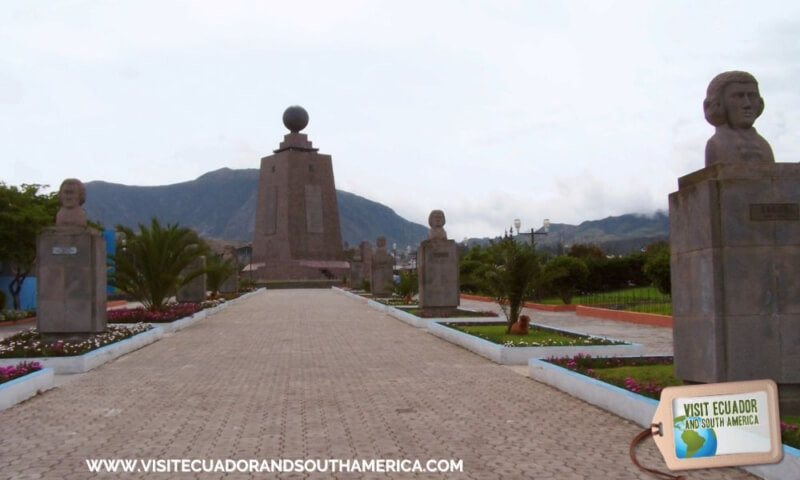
(62, 357)
(10, 372)
(637, 408)
(29, 343)
(519, 355)
(651, 385)
(22, 387)
(538, 336)
(594, 367)
(142, 315)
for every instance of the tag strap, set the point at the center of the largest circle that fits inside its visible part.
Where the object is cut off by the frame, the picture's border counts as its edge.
(655, 429)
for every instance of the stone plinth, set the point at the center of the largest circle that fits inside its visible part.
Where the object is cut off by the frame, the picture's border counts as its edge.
(437, 264)
(71, 282)
(356, 277)
(195, 290)
(735, 263)
(382, 274)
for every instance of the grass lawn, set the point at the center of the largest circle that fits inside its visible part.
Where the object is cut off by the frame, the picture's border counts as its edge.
(536, 337)
(635, 299)
(648, 376)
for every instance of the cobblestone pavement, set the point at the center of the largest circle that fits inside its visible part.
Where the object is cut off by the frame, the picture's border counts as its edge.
(298, 374)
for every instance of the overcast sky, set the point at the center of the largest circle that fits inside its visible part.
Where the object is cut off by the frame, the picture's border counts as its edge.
(490, 111)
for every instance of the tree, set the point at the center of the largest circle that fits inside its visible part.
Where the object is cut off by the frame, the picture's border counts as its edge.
(583, 251)
(150, 265)
(218, 270)
(23, 213)
(657, 268)
(511, 278)
(564, 274)
(472, 267)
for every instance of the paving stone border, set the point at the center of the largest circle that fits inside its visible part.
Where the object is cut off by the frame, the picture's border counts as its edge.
(639, 409)
(25, 387)
(95, 358)
(520, 355)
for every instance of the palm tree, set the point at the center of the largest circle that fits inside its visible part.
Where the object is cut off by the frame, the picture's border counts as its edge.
(218, 270)
(511, 277)
(151, 264)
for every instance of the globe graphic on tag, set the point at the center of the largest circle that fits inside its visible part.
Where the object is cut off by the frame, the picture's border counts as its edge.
(693, 442)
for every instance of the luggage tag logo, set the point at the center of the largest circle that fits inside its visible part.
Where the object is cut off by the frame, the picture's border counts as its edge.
(719, 425)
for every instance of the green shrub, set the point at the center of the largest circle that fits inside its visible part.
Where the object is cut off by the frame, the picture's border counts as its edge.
(563, 275)
(657, 270)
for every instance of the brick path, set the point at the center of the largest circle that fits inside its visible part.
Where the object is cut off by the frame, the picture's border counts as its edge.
(313, 374)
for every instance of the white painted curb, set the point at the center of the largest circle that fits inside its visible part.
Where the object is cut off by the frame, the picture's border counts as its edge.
(95, 358)
(520, 355)
(349, 294)
(25, 387)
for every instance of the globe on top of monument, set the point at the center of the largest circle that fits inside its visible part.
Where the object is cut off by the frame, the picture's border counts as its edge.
(295, 118)
(732, 105)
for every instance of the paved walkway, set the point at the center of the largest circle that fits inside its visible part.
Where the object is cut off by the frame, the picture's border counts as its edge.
(313, 374)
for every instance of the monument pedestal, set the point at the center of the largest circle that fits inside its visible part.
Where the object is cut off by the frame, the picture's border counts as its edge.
(437, 264)
(70, 282)
(382, 275)
(735, 263)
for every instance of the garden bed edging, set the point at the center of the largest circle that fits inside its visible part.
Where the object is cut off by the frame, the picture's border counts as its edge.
(24, 387)
(91, 360)
(639, 409)
(520, 355)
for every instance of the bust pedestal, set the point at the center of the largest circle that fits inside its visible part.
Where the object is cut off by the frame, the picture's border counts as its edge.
(437, 263)
(735, 263)
(71, 282)
(382, 274)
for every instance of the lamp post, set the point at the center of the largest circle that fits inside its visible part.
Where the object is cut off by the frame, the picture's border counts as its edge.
(544, 230)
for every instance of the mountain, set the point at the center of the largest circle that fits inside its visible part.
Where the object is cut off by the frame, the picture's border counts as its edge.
(615, 235)
(222, 203)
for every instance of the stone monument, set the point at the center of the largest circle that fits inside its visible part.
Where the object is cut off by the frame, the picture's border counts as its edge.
(195, 290)
(437, 263)
(70, 271)
(735, 253)
(297, 232)
(356, 267)
(382, 270)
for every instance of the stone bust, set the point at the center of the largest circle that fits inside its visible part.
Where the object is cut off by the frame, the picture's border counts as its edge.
(732, 105)
(71, 196)
(380, 242)
(436, 221)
